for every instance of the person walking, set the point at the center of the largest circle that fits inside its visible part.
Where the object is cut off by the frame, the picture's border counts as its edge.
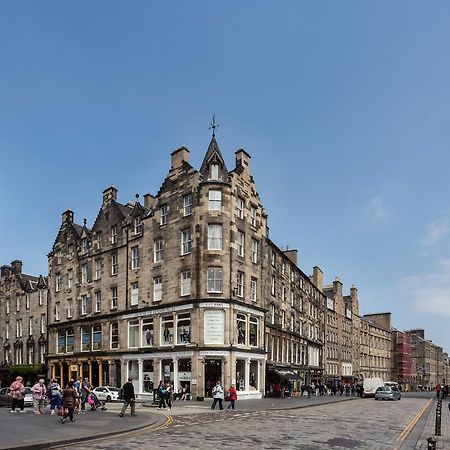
(85, 391)
(39, 390)
(69, 399)
(17, 392)
(232, 396)
(54, 394)
(162, 395)
(77, 387)
(169, 396)
(129, 398)
(217, 392)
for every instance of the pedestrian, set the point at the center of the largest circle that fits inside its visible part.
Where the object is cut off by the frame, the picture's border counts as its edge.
(217, 392)
(182, 393)
(39, 390)
(169, 395)
(69, 399)
(85, 391)
(129, 398)
(77, 387)
(162, 395)
(17, 392)
(54, 394)
(232, 396)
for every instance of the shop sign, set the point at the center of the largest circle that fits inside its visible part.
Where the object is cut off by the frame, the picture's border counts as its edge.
(158, 311)
(255, 312)
(73, 368)
(214, 305)
(214, 321)
(184, 376)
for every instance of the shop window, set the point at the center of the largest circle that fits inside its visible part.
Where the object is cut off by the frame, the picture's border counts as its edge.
(61, 343)
(240, 375)
(254, 372)
(115, 335)
(69, 340)
(253, 332)
(148, 374)
(96, 337)
(147, 332)
(184, 328)
(166, 330)
(241, 328)
(133, 333)
(85, 339)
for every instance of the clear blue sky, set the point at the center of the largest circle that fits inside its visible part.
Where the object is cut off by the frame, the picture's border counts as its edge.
(344, 107)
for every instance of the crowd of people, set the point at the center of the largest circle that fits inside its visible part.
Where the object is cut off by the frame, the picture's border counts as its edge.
(64, 401)
(284, 390)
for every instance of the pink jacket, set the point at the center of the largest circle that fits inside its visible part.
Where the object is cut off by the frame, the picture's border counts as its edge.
(38, 391)
(17, 389)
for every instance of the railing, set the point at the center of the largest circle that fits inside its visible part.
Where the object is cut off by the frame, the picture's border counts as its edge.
(437, 427)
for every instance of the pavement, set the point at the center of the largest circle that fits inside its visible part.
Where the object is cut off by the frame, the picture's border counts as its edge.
(427, 427)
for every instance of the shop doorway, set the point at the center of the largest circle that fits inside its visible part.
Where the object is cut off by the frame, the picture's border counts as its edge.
(213, 372)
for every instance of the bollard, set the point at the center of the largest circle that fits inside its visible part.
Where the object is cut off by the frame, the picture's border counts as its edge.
(437, 425)
(431, 443)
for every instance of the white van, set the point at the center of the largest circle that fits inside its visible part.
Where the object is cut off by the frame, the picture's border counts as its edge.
(370, 385)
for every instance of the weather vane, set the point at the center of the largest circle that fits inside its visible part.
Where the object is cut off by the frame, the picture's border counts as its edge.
(213, 125)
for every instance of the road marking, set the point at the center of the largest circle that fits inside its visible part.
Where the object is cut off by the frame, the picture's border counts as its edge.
(412, 423)
(166, 424)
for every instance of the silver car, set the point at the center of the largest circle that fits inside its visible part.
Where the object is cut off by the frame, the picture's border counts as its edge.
(387, 393)
(6, 399)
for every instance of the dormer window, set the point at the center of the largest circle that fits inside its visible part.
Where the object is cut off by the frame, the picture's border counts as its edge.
(84, 245)
(214, 171)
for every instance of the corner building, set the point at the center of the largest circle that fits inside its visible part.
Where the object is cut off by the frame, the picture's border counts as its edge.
(177, 287)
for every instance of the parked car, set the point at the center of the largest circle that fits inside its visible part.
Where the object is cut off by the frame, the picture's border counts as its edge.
(6, 399)
(107, 393)
(387, 393)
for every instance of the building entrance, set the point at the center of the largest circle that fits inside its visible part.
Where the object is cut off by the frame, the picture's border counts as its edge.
(213, 372)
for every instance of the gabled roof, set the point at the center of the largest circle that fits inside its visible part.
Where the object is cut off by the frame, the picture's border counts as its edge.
(213, 155)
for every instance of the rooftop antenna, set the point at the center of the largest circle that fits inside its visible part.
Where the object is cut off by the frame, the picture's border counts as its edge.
(213, 125)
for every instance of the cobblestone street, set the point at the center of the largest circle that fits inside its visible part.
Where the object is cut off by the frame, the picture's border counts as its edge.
(359, 424)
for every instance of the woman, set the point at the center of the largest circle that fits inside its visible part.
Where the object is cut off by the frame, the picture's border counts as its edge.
(162, 395)
(17, 391)
(38, 391)
(55, 397)
(69, 398)
(169, 396)
(232, 396)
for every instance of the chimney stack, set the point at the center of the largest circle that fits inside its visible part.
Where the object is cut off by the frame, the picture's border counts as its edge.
(337, 287)
(242, 159)
(178, 156)
(292, 255)
(16, 266)
(5, 271)
(109, 194)
(67, 216)
(318, 278)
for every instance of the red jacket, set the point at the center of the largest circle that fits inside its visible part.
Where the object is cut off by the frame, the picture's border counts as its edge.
(233, 393)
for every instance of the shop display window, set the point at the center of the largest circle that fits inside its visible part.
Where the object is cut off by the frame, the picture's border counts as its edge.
(184, 328)
(147, 333)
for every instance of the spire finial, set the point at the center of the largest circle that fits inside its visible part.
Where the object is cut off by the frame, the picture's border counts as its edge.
(213, 125)
(137, 197)
(84, 222)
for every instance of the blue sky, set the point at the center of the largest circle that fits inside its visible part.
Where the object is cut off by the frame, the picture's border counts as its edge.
(342, 105)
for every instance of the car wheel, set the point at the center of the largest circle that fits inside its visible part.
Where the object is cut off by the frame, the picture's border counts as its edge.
(108, 398)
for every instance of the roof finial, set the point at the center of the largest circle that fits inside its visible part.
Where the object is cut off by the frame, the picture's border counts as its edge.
(213, 125)
(137, 197)
(84, 222)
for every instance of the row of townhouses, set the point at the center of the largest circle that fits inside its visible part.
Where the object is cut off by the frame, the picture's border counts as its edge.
(187, 286)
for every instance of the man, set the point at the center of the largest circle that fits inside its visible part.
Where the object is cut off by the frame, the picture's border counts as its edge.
(217, 393)
(85, 391)
(128, 398)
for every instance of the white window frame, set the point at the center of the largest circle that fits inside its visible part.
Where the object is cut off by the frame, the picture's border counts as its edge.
(158, 250)
(30, 326)
(214, 282)
(137, 225)
(186, 241)
(164, 210)
(157, 289)
(57, 311)
(111, 346)
(69, 279)
(185, 280)
(240, 284)
(214, 171)
(135, 262)
(252, 216)
(114, 263)
(57, 282)
(114, 297)
(240, 205)
(187, 205)
(98, 301)
(214, 200)
(83, 305)
(114, 235)
(27, 301)
(215, 236)
(84, 274)
(240, 244)
(134, 295)
(253, 289)
(254, 251)
(98, 269)
(69, 308)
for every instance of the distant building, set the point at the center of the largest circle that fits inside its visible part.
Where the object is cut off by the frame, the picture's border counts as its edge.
(401, 357)
(23, 315)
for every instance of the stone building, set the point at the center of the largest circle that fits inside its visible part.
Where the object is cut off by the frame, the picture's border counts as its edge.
(342, 334)
(376, 346)
(401, 357)
(176, 287)
(427, 361)
(295, 320)
(23, 315)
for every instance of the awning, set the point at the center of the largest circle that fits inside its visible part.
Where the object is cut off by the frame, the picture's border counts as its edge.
(288, 374)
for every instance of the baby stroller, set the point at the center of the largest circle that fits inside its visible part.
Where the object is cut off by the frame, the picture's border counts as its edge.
(95, 403)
